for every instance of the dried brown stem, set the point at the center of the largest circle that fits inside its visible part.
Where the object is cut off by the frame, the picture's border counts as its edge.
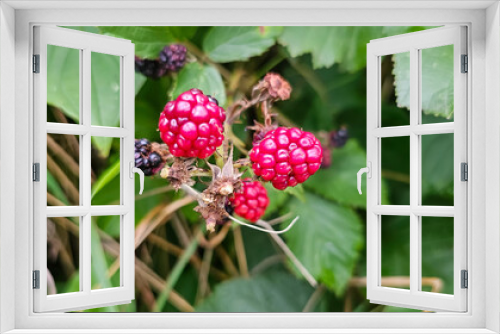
(288, 252)
(66, 184)
(266, 263)
(314, 299)
(240, 251)
(435, 283)
(226, 261)
(217, 239)
(203, 286)
(147, 226)
(178, 251)
(144, 272)
(61, 153)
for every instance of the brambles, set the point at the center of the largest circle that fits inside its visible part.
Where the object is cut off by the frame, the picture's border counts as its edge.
(251, 201)
(286, 157)
(191, 125)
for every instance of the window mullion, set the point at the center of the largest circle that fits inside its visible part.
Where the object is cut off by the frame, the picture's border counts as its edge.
(414, 171)
(86, 170)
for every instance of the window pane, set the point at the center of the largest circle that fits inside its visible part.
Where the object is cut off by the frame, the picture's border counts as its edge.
(395, 244)
(63, 84)
(437, 254)
(395, 95)
(106, 184)
(105, 253)
(63, 170)
(63, 255)
(437, 84)
(437, 169)
(105, 89)
(396, 169)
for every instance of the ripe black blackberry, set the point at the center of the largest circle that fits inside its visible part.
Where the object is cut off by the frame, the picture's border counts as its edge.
(339, 138)
(173, 57)
(152, 68)
(149, 162)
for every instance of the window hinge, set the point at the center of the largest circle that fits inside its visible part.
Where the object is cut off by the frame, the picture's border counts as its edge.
(464, 171)
(36, 279)
(36, 172)
(465, 64)
(464, 279)
(36, 63)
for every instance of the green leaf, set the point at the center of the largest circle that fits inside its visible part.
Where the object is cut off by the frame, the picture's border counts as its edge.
(63, 89)
(204, 77)
(107, 176)
(345, 46)
(227, 44)
(437, 80)
(99, 263)
(338, 182)
(275, 291)
(276, 198)
(297, 191)
(327, 239)
(437, 164)
(330, 45)
(149, 41)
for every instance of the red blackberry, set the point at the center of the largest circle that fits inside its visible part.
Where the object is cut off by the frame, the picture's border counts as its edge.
(149, 162)
(173, 57)
(150, 68)
(251, 201)
(286, 157)
(192, 125)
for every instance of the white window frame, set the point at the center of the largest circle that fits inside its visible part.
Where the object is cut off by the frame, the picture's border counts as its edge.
(414, 43)
(86, 44)
(483, 21)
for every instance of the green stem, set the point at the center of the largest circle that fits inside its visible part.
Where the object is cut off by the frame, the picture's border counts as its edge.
(175, 274)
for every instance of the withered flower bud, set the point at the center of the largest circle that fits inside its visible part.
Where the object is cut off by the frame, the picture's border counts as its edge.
(277, 87)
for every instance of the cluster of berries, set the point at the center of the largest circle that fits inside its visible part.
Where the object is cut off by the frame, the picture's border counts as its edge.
(192, 126)
(148, 161)
(171, 59)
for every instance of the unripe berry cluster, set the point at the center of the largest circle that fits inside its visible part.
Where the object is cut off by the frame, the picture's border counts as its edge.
(286, 157)
(251, 201)
(192, 125)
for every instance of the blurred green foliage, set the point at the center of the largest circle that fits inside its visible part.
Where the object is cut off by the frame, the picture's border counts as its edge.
(326, 68)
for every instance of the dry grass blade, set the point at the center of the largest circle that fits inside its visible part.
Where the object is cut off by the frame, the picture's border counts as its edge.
(217, 239)
(143, 271)
(65, 158)
(66, 184)
(240, 251)
(146, 226)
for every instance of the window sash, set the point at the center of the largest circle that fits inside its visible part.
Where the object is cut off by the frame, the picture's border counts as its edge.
(86, 43)
(413, 43)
